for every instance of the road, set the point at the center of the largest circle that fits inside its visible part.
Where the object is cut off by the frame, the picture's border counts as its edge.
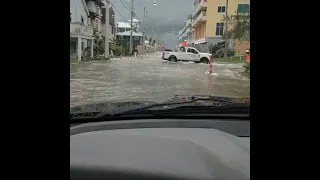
(149, 78)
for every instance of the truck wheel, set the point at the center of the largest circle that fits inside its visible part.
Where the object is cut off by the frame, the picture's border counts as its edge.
(204, 60)
(173, 58)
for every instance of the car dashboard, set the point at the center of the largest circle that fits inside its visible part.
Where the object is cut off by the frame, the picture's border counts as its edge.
(161, 149)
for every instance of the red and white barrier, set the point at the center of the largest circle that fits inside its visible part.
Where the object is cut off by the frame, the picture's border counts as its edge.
(210, 72)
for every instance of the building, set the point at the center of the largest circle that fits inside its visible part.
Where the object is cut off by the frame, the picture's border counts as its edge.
(207, 24)
(186, 32)
(123, 38)
(86, 16)
(81, 31)
(95, 10)
(136, 24)
(122, 27)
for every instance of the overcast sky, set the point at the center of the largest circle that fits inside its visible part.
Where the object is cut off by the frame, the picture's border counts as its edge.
(168, 17)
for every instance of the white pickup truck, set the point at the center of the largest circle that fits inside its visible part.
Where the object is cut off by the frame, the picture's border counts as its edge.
(186, 54)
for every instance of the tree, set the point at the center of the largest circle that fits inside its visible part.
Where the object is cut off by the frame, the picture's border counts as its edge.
(238, 26)
(98, 42)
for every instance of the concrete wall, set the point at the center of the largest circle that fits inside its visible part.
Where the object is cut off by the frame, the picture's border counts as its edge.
(111, 35)
(92, 6)
(77, 10)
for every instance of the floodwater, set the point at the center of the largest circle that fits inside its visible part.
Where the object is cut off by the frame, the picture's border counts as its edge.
(148, 78)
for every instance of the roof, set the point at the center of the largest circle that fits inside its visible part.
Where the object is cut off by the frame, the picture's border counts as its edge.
(123, 25)
(134, 20)
(127, 33)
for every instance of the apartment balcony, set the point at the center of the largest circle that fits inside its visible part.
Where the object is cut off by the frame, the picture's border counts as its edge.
(93, 15)
(199, 41)
(201, 18)
(95, 8)
(78, 29)
(200, 7)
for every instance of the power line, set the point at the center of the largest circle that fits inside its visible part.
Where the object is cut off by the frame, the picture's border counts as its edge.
(118, 11)
(135, 14)
(124, 5)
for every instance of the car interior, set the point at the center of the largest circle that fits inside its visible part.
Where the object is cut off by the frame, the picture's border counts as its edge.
(161, 149)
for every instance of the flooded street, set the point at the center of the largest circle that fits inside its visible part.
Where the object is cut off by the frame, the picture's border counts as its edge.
(149, 78)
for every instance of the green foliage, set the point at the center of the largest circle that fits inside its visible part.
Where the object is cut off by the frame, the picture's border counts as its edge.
(98, 46)
(87, 53)
(117, 49)
(238, 26)
(247, 67)
(218, 50)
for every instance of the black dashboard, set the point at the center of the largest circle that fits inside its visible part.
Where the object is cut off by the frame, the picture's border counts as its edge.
(161, 149)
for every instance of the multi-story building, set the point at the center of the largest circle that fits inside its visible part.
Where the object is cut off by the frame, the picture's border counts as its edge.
(85, 16)
(135, 24)
(95, 10)
(126, 26)
(185, 33)
(208, 26)
(123, 38)
(122, 27)
(81, 31)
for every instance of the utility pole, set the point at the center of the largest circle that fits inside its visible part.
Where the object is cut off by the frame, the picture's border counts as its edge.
(106, 51)
(143, 40)
(144, 13)
(130, 46)
(226, 44)
(190, 33)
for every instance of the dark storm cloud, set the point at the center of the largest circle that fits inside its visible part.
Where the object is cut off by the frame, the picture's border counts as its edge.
(167, 17)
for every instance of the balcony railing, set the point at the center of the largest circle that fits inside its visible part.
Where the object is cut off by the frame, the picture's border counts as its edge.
(80, 29)
(201, 5)
(200, 18)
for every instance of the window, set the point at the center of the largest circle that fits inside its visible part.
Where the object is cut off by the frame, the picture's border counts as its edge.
(219, 29)
(135, 37)
(189, 50)
(120, 37)
(242, 8)
(194, 51)
(82, 19)
(221, 9)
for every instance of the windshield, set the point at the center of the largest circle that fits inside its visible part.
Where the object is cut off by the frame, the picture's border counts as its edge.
(130, 50)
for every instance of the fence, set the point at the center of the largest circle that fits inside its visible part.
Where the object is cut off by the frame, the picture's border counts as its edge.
(145, 50)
